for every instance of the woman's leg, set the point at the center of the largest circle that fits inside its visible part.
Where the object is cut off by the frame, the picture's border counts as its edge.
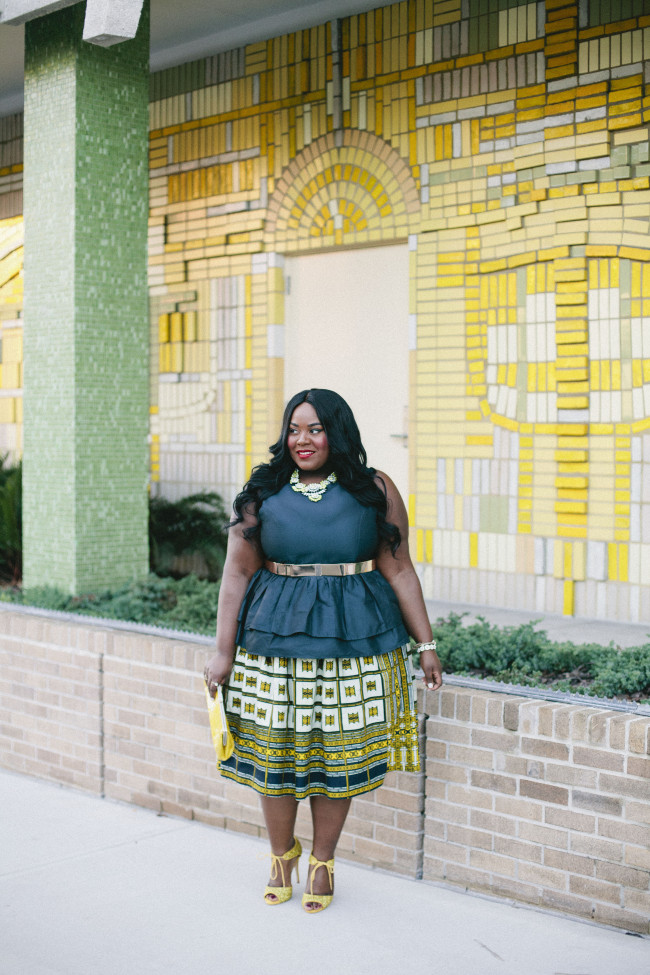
(328, 816)
(280, 818)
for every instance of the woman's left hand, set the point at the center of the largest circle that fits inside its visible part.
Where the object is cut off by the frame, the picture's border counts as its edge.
(398, 571)
(432, 668)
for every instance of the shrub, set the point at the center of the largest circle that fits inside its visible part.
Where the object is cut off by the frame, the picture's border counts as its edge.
(525, 655)
(11, 533)
(188, 604)
(191, 526)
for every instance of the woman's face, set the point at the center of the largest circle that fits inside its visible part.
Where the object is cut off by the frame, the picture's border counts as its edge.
(306, 440)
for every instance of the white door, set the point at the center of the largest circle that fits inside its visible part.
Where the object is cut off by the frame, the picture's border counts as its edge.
(347, 330)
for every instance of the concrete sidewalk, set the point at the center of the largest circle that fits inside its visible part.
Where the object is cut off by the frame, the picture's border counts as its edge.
(94, 887)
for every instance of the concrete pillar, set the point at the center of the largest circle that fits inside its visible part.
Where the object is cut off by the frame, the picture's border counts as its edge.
(86, 329)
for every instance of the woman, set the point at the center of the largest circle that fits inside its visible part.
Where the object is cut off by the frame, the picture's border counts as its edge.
(317, 600)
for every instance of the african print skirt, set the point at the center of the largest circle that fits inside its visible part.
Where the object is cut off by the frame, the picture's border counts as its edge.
(330, 727)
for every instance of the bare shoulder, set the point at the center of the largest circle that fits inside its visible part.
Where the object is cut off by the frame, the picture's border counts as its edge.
(249, 515)
(393, 497)
(247, 520)
(384, 481)
(244, 553)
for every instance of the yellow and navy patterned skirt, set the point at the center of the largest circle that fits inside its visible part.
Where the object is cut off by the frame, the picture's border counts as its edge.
(330, 727)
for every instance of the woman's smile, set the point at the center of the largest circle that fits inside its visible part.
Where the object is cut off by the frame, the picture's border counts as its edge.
(307, 443)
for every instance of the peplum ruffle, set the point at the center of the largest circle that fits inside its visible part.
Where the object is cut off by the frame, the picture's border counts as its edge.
(326, 616)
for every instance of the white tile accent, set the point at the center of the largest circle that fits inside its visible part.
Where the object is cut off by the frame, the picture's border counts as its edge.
(596, 560)
(644, 565)
(634, 563)
(275, 341)
(476, 477)
(259, 263)
(539, 556)
(459, 476)
(413, 332)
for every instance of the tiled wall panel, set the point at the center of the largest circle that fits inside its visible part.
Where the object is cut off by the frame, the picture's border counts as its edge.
(508, 143)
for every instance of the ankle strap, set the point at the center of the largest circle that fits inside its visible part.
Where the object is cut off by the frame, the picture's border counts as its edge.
(329, 866)
(291, 854)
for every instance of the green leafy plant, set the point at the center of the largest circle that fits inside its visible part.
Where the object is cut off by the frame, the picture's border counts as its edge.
(192, 526)
(188, 604)
(525, 655)
(11, 533)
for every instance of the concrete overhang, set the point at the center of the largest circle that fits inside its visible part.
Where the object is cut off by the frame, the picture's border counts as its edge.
(20, 11)
(180, 31)
(107, 22)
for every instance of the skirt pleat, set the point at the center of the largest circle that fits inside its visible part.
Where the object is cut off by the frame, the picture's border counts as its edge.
(329, 727)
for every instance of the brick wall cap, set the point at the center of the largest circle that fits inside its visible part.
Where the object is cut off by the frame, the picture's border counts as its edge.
(541, 694)
(101, 622)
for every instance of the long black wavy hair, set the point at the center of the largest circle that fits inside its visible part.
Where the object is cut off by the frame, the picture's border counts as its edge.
(347, 455)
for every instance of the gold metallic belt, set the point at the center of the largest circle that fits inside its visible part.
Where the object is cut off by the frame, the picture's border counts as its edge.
(321, 569)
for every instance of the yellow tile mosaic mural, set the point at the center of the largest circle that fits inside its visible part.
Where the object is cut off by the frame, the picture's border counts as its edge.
(508, 143)
(11, 336)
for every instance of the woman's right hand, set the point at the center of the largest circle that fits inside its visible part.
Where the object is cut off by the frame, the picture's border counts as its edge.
(217, 670)
(243, 559)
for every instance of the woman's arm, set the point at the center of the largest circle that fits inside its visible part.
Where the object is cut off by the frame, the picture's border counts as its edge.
(243, 559)
(399, 572)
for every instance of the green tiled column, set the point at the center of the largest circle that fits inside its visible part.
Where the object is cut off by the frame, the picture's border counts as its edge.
(86, 329)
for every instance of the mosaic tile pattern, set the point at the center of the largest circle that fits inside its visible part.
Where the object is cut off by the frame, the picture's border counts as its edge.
(11, 284)
(11, 166)
(508, 143)
(11, 336)
(85, 469)
(517, 298)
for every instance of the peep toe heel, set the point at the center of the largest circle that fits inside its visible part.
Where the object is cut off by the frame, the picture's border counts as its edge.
(282, 894)
(309, 897)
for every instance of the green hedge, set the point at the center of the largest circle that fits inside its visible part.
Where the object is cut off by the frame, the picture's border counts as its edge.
(11, 534)
(191, 526)
(516, 655)
(525, 655)
(188, 604)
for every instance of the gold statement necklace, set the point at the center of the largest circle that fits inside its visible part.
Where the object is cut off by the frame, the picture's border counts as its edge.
(312, 491)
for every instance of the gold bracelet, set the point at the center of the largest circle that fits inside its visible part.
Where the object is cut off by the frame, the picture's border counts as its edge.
(428, 645)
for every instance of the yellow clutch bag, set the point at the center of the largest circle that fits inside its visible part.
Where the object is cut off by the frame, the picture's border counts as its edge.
(221, 737)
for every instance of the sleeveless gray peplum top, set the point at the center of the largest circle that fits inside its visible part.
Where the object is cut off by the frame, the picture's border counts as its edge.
(326, 616)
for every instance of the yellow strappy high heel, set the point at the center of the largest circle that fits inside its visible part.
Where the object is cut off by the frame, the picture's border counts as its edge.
(282, 894)
(309, 897)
